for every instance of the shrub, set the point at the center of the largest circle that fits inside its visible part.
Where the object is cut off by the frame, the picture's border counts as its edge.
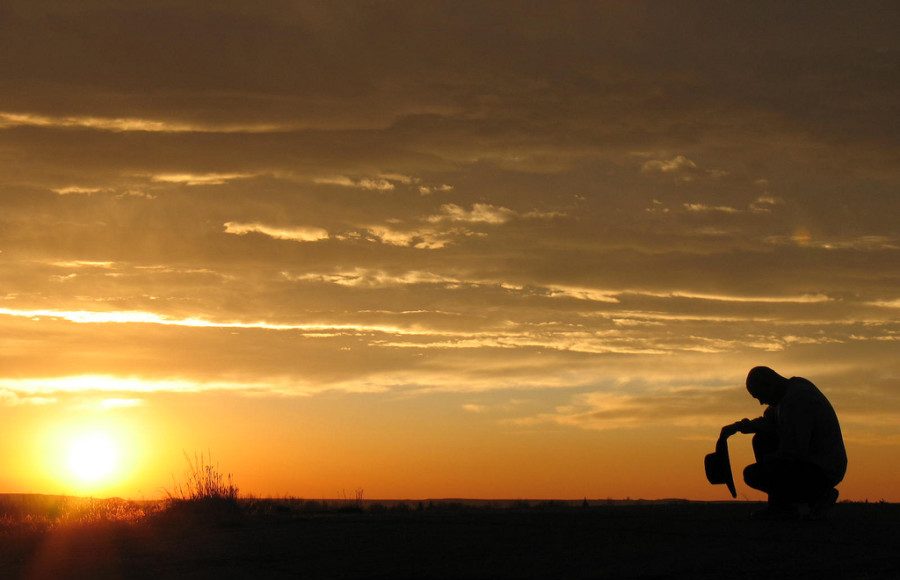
(204, 484)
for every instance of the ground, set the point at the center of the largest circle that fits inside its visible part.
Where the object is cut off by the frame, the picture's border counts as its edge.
(549, 540)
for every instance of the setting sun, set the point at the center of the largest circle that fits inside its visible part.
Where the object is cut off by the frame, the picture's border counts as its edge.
(99, 453)
(93, 457)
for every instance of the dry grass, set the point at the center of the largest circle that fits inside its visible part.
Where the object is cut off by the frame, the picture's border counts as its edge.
(41, 512)
(205, 487)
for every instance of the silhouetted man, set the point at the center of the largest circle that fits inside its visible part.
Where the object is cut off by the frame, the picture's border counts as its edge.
(799, 450)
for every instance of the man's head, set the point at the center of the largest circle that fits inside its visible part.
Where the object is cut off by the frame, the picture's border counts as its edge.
(765, 385)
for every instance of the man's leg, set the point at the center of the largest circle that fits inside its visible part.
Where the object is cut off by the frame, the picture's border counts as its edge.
(768, 475)
(787, 481)
(760, 475)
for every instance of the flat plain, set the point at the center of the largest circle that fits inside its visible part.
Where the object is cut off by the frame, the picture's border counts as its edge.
(441, 539)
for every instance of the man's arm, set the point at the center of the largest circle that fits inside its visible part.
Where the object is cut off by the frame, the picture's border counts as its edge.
(743, 426)
(760, 424)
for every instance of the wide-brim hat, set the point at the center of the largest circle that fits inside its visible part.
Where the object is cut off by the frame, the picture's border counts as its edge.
(718, 466)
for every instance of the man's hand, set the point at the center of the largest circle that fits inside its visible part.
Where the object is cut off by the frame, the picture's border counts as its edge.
(728, 431)
(742, 426)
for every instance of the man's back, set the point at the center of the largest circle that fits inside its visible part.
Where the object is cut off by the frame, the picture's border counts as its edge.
(808, 428)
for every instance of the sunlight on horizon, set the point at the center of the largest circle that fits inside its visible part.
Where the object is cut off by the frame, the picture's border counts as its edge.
(100, 453)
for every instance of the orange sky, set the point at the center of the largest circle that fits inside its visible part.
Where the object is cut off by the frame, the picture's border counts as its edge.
(442, 249)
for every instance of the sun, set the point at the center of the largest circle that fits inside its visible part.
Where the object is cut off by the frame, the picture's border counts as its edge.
(93, 457)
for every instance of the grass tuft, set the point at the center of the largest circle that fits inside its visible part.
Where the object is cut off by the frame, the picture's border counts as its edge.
(205, 486)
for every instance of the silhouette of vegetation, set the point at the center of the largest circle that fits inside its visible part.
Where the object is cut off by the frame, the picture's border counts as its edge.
(205, 487)
(40, 512)
(64, 537)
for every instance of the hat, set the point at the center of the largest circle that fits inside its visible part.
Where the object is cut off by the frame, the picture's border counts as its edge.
(718, 466)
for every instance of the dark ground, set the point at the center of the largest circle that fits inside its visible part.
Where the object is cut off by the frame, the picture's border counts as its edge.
(662, 540)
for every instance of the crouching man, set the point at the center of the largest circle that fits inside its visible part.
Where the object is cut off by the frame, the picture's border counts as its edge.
(799, 450)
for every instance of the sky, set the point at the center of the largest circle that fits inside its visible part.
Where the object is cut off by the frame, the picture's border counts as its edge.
(442, 249)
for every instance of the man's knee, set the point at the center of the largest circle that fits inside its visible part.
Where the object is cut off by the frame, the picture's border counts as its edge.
(764, 444)
(754, 476)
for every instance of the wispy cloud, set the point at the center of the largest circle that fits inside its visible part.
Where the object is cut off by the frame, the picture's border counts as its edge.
(795, 299)
(123, 124)
(611, 295)
(14, 397)
(583, 293)
(631, 406)
(487, 214)
(765, 203)
(422, 238)
(83, 264)
(680, 167)
(293, 234)
(802, 237)
(429, 189)
(200, 178)
(27, 388)
(77, 190)
(480, 213)
(374, 184)
(701, 207)
(374, 278)
(143, 317)
(677, 164)
(399, 178)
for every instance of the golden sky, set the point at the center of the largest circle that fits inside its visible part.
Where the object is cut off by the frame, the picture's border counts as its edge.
(443, 249)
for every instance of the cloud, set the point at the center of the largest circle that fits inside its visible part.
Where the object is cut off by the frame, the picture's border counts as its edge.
(200, 179)
(144, 317)
(584, 343)
(380, 278)
(13, 397)
(682, 168)
(128, 124)
(99, 383)
(764, 203)
(76, 190)
(429, 189)
(583, 293)
(803, 238)
(362, 277)
(423, 238)
(677, 164)
(11, 119)
(658, 207)
(700, 207)
(632, 404)
(293, 234)
(480, 213)
(399, 177)
(105, 265)
(799, 299)
(135, 193)
(609, 295)
(373, 184)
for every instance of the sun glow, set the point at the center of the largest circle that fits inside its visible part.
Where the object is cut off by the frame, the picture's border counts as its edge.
(93, 457)
(97, 454)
